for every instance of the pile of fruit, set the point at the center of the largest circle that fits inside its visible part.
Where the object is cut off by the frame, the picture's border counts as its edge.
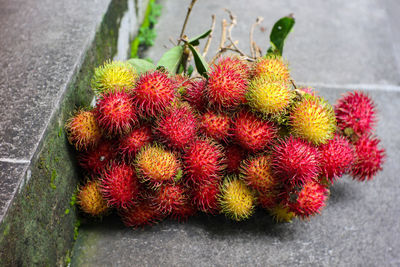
(160, 145)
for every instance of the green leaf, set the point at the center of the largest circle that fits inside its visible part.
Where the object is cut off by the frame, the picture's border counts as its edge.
(141, 65)
(279, 32)
(195, 41)
(171, 59)
(200, 62)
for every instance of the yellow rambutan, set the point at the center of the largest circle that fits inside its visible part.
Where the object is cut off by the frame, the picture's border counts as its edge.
(313, 119)
(272, 68)
(281, 213)
(91, 200)
(237, 201)
(113, 75)
(268, 97)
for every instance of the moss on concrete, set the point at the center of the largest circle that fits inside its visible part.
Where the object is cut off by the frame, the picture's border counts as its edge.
(41, 224)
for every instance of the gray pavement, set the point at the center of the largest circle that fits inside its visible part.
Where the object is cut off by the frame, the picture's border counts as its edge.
(336, 46)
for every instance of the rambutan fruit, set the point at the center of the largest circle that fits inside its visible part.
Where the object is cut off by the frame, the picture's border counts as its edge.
(313, 119)
(83, 131)
(310, 200)
(268, 198)
(131, 143)
(180, 83)
(268, 97)
(226, 86)
(215, 125)
(119, 185)
(234, 155)
(170, 197)
(115, 75)
(369, 158)
(205, 196)
(144, 213)
(195, 94)
(156, 165)
(237, 64)
(153, 93)
(251, 132)
(271, 68)
(177, 126)
(355, 113)
(90, 200)
(96, 159)
(282, 213)
(203, 160)
(336, 157)
(116, 113)
(256, 172)
(182, 213)
(237, 201)
(295, 161)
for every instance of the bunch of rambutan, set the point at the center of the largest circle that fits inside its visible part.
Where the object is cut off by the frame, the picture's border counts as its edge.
(244, 137)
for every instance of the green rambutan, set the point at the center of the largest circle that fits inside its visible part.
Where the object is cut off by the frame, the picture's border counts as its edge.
(251, 132)
(177, 127)
(119, 185)
(257, 173)
(83, 131)
(144, 213)
(95, 160)
(131, 143)
(153, 93)
(268, 97)
(215, 125)
(237, 201)
(368, 159)
(313, 119)
(90, 200)
(226, 86)
(115, 75)
(271, 68)
(116, 113)
(156, 165)
(310, 200)
(203, 160)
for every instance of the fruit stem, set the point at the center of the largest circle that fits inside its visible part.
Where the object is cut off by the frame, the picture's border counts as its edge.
(186, 20)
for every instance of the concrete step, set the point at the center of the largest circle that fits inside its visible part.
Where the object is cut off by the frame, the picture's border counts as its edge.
(48, 51)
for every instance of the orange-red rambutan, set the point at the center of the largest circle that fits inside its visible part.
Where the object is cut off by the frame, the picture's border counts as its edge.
(251, 132)
(215, 125)
(131, 143)
(257, 173)
(90, 200)
(116, 113)
(369, 158)
(144, 213)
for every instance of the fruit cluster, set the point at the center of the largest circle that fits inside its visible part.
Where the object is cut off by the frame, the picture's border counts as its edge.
(158, 145)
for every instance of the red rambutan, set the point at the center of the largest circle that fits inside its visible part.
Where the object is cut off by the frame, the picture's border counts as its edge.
(153, 93)
(156, 165)
(130, 144)
(295, 162)
(96, 159)
(253, 133)
(268, 199)
(355, 111)
(195, 94)
(234, 155)
(115, 113)
(140, 215)
(215, 125)
(336, 157)
(310, 200)
(177, 126)
(170, 197)
(368, 158)
(83, 130)
(205, 196)
(238, 65)
(257, 173)
(203, 161)
(119, 185)
(226, 86)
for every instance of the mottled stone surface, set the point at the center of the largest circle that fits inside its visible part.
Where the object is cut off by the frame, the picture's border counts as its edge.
(359, 226)
(333, 42)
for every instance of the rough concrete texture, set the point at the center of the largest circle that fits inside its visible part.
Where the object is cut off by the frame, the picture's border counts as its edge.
(48, 51)
(338, 45)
